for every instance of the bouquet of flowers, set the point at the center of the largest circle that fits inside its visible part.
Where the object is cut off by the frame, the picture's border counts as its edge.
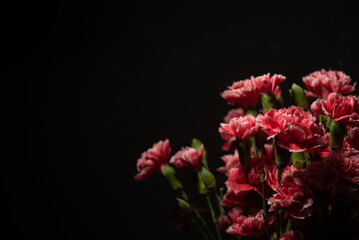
(291, 172)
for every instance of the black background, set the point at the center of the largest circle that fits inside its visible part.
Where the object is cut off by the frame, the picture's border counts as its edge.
(88, 86)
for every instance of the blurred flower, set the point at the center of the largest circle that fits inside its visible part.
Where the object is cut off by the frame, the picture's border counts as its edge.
(292, 235)
(241, 127)
(251, 225)
(179, 219)
(294, 128)
(292, 195)
(338, 108)
(347, 163)
(239, 112)
(153, 159)
(223, 223)
(321, 83)
(321, 175)
(188, 159)
(353, 137)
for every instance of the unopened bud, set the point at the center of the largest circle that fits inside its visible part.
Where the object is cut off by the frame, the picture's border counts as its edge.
(299, 96)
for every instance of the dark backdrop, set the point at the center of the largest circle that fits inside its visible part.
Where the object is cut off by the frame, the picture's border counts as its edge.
(87, 87)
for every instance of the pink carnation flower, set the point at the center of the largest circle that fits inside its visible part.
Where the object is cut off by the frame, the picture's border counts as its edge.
(251, 225)
(247, 92)
(153, 159)
(242, 93)
(241, 127)
(188, 159)
(230, 161)
(294, 128)
(321, 83)
(338, 108)
(236, 172)
(229, 140)
(267, 84)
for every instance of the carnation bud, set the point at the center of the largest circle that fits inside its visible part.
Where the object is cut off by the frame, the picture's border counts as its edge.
(184, 205)
(169, 173)
(299, 96)
(208, 178)
(267, 102)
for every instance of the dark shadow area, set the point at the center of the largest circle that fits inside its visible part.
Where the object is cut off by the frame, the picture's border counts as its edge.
(87, 87)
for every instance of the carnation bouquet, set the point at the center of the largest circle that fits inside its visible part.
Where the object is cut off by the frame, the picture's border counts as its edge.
(292, 172)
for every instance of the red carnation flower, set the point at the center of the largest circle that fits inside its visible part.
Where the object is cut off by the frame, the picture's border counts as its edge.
(231, 200)
(229, 140)
(264, 165)
(292, 235)
(247, 92)
(321, 83)
(251, 225)
(295, 129)
(266, 83)
(292, 195)
(230, 160)
(347, 163)
(241, 128)
(153, 159)
(223, 223)
(242, 93)
(321, 175)
(188, 159)
(233, 113)
(236, 182)
(356, 103)
(353, 137)
(338, 108)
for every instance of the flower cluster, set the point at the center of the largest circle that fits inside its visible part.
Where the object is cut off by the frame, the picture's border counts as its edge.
(291, 172)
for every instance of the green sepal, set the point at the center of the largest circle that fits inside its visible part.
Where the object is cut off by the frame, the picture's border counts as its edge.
(184, 205)
(169, 173)
(298, 160)
(208, 179)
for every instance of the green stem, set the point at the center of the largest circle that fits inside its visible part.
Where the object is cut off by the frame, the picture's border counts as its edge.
(264, 204)
(277, 224)
(202, 222)
(214, 219)
(199, 228)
